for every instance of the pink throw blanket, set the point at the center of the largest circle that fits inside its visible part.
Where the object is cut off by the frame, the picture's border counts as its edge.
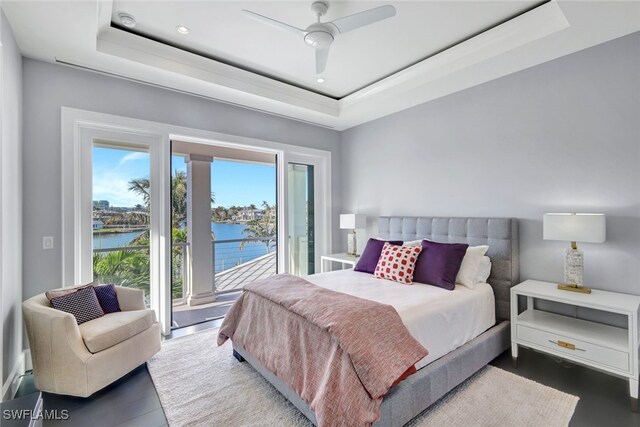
(341, 354)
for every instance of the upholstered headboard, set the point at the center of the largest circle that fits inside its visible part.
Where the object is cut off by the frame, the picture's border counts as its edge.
(501, 234)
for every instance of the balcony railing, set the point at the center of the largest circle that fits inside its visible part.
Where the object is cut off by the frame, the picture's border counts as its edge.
(236, 262)
(129, 266)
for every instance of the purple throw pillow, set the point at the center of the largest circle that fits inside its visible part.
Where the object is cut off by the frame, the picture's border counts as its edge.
(83, 304)
(371, 254)
(108, 298)
(439, 263)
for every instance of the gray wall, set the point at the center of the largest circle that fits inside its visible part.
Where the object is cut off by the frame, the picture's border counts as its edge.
(48, 87)
(11, 201)
(562, 136)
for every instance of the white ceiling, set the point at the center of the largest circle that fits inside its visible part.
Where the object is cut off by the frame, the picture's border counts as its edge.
(80, 33)
(357, 59)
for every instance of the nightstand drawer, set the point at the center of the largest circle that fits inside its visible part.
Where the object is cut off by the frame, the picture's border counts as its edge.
(576, 348)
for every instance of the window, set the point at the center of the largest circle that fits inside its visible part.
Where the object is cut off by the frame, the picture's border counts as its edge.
(120, 217)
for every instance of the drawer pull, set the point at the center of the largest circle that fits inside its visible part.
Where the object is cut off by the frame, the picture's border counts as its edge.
(566, 345)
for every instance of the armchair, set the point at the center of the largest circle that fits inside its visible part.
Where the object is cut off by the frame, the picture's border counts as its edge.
(79, 360)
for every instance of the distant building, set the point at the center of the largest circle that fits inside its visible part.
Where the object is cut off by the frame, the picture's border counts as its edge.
(247, 214)
(97, 224)
(102, 205)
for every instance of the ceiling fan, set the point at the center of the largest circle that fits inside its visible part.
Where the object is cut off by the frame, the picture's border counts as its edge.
(320, 35)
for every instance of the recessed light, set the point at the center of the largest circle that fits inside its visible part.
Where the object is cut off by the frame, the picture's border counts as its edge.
(127, 20)
(183, 30)
(320, 80)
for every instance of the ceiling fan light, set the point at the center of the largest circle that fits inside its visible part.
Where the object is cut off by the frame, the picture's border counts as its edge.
(183, 30)
(320, 80)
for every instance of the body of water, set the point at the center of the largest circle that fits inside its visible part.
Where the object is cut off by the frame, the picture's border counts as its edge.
(115, 240)
(227, 255)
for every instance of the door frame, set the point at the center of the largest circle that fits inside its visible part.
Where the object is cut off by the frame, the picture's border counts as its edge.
(322, 211)
(79, 137)
(80, 128)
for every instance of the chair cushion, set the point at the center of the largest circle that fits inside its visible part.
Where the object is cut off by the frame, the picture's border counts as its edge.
(114, 328)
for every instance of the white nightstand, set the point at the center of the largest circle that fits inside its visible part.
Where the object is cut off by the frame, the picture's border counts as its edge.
(603, 347)
(343, 258)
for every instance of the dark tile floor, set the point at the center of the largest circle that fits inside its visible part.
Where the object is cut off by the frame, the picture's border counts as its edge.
(130, 401)
(133, 401)
(604, 399)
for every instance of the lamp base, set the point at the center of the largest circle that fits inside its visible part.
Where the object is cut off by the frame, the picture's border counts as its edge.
(573, 288)
(351, 243)
(573, 266)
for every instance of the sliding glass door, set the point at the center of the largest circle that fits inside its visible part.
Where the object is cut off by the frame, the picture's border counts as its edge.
(301, 194)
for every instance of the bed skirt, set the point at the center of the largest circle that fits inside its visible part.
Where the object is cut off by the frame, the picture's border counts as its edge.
(422, 389)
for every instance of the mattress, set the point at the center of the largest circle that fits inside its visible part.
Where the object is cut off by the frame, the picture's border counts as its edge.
(440, 320)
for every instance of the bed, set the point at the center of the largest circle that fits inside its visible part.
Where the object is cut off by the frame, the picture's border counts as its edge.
(474, 339)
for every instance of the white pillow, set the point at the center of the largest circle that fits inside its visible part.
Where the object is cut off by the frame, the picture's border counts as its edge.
(413, 243)
(469, 267)
(484, 270)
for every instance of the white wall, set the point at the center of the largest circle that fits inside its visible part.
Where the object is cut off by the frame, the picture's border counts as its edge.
(48, 87)
(562, 136)
(11, 202)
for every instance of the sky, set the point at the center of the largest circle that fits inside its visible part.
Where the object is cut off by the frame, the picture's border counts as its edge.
(233, 183)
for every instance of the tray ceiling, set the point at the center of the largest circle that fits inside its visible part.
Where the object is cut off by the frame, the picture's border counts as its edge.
(428, 50)
(220, 31)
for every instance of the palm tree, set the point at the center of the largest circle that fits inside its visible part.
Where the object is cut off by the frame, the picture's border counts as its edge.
(131, 267)
(263, 228)
(123, 268)
(179, 198)
(140, 186)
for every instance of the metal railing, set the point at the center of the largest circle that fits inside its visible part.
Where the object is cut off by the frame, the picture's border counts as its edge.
(233, 252)
(238, 262)
(129, 272)
(180, 273)
(231, 260)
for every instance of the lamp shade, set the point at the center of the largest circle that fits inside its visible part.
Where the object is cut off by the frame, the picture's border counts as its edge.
(574, 227)
(353, 221)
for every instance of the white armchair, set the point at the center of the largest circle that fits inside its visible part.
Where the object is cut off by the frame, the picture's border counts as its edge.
(79, 360)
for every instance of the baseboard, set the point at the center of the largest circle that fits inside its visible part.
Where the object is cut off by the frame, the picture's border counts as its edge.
(10, 387)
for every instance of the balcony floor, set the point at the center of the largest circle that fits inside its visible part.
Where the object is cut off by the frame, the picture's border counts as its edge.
(186, 315)
(226, 281)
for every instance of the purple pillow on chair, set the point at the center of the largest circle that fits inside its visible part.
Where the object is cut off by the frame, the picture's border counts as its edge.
(83, 304)
(371, 254)
(108, 298)
(439, 263)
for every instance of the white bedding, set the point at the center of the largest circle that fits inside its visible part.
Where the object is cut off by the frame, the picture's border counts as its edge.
(440, 320)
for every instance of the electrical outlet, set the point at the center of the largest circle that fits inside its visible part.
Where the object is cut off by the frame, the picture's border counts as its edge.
(47, 242)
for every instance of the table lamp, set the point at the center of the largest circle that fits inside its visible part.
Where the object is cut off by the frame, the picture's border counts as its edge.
(352, 222)
(574, 227)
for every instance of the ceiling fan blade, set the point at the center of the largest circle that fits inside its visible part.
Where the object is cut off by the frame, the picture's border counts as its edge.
(361, 19)
(274, 23)
(321, 59)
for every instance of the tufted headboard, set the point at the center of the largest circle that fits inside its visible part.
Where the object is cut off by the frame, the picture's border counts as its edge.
(501, 234)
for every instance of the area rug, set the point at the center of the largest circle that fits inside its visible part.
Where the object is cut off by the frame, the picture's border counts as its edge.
(200, 384)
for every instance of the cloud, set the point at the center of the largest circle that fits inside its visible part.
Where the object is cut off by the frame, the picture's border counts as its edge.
(136, 155)
(115, 190)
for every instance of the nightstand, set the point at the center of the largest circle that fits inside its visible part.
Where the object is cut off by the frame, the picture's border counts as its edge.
(596, 345)
(343, 258)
